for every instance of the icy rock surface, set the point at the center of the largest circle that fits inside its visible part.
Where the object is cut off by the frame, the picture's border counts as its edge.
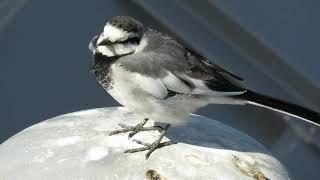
(77, 146)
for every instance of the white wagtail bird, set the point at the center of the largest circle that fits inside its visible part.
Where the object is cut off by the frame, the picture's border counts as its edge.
(157, 77)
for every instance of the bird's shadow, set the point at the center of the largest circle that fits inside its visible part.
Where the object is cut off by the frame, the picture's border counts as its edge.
(201, 131)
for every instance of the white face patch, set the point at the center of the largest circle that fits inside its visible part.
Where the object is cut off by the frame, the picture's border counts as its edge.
(116, 36)
(113, 33)
(117, 49)
(105, 50)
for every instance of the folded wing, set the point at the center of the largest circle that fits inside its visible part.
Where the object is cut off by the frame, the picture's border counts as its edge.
(162, 75)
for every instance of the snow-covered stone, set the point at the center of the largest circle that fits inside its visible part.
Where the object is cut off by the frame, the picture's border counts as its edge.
(77, 146)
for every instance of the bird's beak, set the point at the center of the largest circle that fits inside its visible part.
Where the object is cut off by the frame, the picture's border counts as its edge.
(93, 43)
(103, 41)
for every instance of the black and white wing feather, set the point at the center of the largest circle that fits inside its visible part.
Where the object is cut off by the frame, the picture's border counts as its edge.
(213, 76)
(196, 75)
(160, 75)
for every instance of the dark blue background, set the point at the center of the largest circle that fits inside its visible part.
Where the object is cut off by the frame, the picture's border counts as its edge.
(273, 45)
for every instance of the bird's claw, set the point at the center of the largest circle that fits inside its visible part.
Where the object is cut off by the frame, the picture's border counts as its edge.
(135, 129)
(153, 146)
(147, 146)
(150, 147)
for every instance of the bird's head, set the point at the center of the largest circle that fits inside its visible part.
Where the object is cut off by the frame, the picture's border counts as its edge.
(121, 36)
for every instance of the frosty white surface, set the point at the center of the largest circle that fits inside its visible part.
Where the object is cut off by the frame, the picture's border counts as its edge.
(77, 146)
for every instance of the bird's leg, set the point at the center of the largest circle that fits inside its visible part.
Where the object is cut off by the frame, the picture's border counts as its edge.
(135, 129)
(153, 146)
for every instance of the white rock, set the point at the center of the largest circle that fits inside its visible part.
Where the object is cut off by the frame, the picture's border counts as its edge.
(77, 146)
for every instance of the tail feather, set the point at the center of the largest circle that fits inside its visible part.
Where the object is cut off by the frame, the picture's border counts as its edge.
(281, 106)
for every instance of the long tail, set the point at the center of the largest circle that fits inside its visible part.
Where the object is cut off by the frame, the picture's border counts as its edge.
(280, 106)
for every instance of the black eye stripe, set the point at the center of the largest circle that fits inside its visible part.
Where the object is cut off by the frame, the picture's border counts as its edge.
(132, 40)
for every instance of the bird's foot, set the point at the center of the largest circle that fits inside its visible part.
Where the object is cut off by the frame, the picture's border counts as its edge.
(153, 146)
(135, 129)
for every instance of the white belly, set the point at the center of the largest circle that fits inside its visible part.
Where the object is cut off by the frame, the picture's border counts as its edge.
(128, 93)
(125, 90)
